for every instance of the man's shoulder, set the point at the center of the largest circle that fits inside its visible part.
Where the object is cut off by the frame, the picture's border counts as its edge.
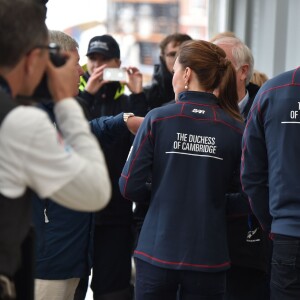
(23, 118)
(283, 79)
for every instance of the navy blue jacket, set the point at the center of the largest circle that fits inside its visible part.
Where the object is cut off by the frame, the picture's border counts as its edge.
(191, 150)
(270, 172)
(64, 236)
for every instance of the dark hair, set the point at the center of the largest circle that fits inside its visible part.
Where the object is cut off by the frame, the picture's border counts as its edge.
(213, 70)
(176, 39)
(22, 27)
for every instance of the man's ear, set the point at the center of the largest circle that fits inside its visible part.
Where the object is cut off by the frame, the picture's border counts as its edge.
(31, 61)
(32, 70)
(245, 70)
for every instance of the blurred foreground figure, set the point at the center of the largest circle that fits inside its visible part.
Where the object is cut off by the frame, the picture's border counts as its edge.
(69, 168)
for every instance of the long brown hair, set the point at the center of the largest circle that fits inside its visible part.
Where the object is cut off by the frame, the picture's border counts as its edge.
(213, 70)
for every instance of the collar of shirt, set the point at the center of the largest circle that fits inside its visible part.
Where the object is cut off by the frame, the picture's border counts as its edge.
(243, 102)
(4, 86)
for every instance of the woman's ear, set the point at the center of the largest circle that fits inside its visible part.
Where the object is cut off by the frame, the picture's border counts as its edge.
(187, 74)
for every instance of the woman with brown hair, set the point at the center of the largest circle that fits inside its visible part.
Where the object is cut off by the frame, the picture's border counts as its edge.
(191, 150)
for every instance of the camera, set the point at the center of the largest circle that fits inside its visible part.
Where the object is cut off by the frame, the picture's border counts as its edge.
(58, 60)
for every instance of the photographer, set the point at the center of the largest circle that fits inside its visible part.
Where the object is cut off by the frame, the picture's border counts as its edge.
(64, 236)
(71, 170)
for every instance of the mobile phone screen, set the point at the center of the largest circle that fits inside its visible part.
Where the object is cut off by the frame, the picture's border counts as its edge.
(115, 74)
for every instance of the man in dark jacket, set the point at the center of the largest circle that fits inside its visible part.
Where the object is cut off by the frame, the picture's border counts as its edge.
(249, 246)
(113, 226)
(270, 176)
(161, 90)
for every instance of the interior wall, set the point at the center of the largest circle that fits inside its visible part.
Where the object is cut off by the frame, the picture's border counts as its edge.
(270, 28)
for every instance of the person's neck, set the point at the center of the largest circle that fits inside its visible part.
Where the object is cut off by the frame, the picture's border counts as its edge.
(242, 93)
(13, 79)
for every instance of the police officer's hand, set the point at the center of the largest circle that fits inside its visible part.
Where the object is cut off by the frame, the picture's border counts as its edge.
(96, 81)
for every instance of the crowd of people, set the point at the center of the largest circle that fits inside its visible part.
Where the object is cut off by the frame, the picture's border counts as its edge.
(207, 153)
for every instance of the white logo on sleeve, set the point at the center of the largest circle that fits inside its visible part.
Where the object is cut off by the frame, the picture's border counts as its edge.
(198, 111)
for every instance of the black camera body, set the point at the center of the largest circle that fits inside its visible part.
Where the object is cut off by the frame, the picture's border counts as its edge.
(57, 59)
(42, 91)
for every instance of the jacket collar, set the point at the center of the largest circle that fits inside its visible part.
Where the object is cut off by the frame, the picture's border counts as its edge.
(198, 97)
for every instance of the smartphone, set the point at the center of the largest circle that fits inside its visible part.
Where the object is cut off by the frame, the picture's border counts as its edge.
(115, 74)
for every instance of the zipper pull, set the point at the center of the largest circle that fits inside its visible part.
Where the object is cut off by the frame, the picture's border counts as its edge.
(46, 217)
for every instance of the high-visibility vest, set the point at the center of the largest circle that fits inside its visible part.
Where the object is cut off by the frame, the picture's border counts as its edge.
(118, 93)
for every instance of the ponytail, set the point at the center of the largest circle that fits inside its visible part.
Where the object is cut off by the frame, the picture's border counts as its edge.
(214, 72)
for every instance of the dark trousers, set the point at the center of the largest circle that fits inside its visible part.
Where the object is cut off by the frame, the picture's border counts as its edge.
(155, 283)
(285, 270)
(247, 284)
(112, 262)
(81, 289)
(24, 278)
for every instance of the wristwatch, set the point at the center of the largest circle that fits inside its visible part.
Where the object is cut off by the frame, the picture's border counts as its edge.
(126, 116)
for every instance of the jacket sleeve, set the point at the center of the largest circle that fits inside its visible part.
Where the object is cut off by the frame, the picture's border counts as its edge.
(134, 180)
(236, 199)
(108, 129)
(89, 188)
(254, 165)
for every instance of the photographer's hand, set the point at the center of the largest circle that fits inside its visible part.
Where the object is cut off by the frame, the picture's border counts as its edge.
(61, 80)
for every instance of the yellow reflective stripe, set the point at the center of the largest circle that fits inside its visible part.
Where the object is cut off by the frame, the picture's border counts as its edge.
(119, 92)
(84, 67)
(82, 84)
